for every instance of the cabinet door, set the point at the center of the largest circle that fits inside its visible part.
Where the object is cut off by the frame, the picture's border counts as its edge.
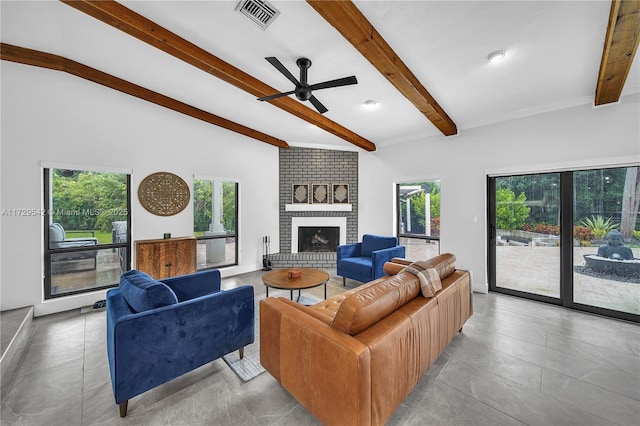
(166, 258)
(183, 257)
(150, 258)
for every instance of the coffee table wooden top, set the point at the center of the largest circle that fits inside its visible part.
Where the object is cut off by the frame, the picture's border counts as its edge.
(309, 277)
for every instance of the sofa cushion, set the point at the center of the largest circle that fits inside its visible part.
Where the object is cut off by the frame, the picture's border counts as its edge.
(143, 292)
(371, 243)
(368, 305)
(358, 265)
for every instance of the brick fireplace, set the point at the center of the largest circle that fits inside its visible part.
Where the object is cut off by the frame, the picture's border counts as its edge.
(315, 166)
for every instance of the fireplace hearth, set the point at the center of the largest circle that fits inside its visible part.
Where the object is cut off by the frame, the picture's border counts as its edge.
(316, 239)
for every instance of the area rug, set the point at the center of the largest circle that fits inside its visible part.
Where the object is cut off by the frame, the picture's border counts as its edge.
(249, 366)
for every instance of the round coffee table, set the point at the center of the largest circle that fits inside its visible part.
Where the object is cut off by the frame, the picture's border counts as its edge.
(309, 277)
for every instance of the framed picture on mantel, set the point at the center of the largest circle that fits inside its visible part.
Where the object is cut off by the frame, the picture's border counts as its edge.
(300, 193)
(320, 193)
(340, 193)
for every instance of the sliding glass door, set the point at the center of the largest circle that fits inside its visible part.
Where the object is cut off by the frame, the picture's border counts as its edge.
(606, 254)
(570, 238)
(526, 232)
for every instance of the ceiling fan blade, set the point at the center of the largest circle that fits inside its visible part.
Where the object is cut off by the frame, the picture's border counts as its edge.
(277, 95)
(345, 81)
(316, 103)
(278, 65)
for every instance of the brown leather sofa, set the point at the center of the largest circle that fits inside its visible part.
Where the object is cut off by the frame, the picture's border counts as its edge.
(353, 358)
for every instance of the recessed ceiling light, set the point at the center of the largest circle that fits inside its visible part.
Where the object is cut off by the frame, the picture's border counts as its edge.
(370, 104)
(496, 56)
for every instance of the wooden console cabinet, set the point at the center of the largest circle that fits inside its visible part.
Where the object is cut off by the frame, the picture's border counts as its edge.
(165, 258)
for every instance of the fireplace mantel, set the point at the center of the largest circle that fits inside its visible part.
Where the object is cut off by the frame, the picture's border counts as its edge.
(318, 207)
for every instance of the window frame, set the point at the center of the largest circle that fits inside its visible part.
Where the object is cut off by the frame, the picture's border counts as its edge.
(235, 235)
(405, 238)
(399, 213)
(47, 220)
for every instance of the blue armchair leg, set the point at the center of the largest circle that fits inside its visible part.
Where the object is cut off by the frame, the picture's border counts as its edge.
(344, 281)
(123, 408)
(241, 352)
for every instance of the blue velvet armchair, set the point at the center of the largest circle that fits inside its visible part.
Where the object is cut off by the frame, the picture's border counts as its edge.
(364, 261)
(159, 330)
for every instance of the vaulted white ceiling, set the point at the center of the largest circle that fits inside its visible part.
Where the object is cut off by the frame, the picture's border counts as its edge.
(553, 53)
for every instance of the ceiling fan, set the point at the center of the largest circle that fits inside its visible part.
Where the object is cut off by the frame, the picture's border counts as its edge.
(304, 90)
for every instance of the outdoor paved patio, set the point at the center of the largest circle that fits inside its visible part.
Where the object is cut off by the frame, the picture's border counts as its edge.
(536, 269)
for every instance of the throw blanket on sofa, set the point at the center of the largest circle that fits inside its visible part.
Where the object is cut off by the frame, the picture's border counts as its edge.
(430, 282)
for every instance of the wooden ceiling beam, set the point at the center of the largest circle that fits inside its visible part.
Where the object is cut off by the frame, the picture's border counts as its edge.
(130, 22)
(36, 58)
(620, 46)
(355, 27)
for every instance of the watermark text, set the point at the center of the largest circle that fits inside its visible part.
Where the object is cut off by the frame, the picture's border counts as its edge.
(64, 212)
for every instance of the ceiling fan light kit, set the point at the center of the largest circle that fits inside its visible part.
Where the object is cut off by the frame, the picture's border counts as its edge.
(303, 90)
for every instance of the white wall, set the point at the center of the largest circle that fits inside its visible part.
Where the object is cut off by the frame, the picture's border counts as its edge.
(580, 137)
(54, 117)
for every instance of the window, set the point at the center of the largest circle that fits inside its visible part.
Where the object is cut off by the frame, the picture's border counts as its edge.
(86, 230)
(418, 213)
(215, 221)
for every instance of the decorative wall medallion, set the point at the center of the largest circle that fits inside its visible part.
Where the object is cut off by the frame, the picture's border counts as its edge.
(164, 194)
(340, 193)
(320, 193)
(300, 194)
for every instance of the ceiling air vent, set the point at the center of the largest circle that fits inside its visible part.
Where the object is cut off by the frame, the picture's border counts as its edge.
(262, 13)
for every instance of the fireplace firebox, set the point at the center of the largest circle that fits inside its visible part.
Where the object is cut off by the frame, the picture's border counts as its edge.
(318, 238)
